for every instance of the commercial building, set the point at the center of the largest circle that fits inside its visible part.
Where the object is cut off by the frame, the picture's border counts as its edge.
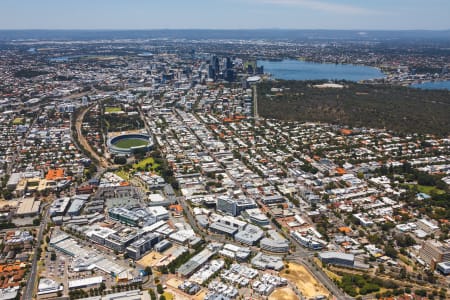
(158, 212)
(443, 267)
(337, 258)
(75, 207)
(434, 251)
(255, 216)
(85, 282)
(308, 241)
(195, 262)
(127, 216)
(120, 242)
(427, 226)
(276, 243)
(250, 235)
(234, 207)
(28, 207)
(47, 286)
(221, 228)
(235, 252)
(100, 234)
(138, 248)
(163, 245)
(59, 207)
(267, 200)
(263, 261)
(128, 295)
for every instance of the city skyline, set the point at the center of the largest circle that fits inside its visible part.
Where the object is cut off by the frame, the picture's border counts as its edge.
(227, 14)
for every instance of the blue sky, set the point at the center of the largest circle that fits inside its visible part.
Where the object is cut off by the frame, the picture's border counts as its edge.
(224, 14)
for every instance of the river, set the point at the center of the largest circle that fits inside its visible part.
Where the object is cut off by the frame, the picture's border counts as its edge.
(301, 70)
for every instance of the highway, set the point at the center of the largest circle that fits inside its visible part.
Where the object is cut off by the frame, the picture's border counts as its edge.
(31, 283)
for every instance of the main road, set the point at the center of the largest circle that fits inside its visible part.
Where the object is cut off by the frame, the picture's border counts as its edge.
(31, 283)
(301, 255)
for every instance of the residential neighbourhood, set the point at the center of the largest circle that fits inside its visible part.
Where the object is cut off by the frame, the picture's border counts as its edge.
(151, 173)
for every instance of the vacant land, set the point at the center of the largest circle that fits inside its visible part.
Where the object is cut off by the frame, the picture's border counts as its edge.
(305, 282)
(283, 294)
(150, 259)
(128, 143)
(396, 108)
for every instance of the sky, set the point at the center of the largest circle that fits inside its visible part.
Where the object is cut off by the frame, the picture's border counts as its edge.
(225, 14)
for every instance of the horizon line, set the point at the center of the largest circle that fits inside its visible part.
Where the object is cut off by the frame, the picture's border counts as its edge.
(212, 29)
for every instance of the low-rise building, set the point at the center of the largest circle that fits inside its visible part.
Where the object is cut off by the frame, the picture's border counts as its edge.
(337, 258)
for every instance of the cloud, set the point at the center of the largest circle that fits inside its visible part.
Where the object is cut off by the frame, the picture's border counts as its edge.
(324, 6)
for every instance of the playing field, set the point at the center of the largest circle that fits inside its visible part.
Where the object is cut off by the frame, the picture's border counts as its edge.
(128, 143)
(304, 281)
(18, 121)
(110, 109)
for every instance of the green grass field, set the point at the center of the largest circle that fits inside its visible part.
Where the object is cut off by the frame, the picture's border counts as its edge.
(169, 296)
(111, 109)
(19, 121)
(122, 174)
(128, 143)
(427, 189)
(141, 164)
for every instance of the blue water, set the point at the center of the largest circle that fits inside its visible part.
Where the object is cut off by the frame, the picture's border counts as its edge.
(59, 59)
(436, 85)
(301, 70)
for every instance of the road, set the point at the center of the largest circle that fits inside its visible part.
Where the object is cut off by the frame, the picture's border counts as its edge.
(255, 102)
(19, 148)
(83, 142)
(300, 253)
(31, 283)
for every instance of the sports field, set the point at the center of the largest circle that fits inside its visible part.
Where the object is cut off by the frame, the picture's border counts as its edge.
(111, 109)
(18, 121)
(128, 143)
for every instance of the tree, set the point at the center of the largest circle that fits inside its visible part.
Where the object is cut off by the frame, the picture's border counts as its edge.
(148, 270)
(159, 288)
(53, 256)
(162, 297)
(120, 160)
(390, 251)
(102, 287)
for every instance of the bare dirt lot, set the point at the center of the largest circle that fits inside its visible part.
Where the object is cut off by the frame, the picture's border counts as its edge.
(305, 282)
(172, 285)
(283, 294)
(150, 259)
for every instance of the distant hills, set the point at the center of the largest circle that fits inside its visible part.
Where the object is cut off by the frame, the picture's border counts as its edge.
(202, 34)
(401, 109)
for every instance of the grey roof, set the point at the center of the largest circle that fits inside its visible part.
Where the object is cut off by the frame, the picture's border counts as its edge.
(335, 254)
